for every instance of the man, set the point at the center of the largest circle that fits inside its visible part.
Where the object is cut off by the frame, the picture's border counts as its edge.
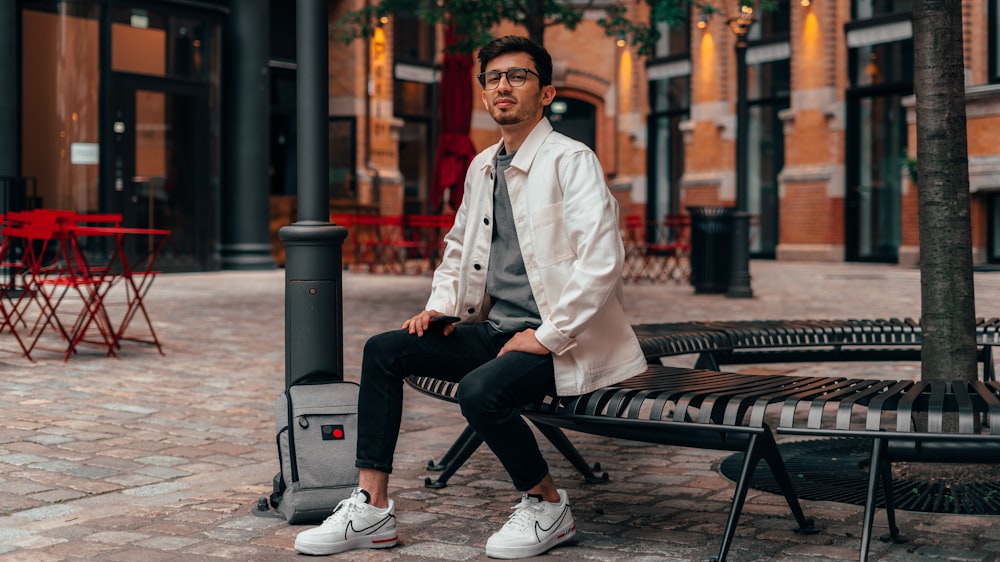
(532, 267)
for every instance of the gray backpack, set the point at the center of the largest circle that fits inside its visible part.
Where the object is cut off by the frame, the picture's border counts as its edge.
(317, 433)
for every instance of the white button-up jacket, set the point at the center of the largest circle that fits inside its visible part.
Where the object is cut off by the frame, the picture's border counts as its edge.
(567, 226)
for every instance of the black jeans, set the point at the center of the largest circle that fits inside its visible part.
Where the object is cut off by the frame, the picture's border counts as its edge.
(491, 395)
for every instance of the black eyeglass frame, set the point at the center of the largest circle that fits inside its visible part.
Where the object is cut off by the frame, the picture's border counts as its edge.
(504, 74)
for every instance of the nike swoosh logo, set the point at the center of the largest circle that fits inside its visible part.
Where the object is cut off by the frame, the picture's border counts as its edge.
(544, 530)
(350, 532)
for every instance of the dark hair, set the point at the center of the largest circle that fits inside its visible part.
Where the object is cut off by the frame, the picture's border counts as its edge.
(515, 44)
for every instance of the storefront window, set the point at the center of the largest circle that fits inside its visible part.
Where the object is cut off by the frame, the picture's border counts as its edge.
(669, 75)
(60, 79)
(343, 140)
(773, 21)
(884, 63)
(673, 41)
(881, 77)
(867, 9)
(149, 42)
(768, 93)
(414, 102)
(670, 100)
(671, 94)
(574, 118)
(414, 40)
(768, 78)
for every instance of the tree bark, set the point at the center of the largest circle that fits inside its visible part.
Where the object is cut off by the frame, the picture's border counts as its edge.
(534, 21)
(946, 283)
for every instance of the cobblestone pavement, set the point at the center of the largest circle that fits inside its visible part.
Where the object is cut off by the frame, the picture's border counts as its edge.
(149, 457)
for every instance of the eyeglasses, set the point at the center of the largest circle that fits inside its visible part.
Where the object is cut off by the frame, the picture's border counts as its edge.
(515, 77)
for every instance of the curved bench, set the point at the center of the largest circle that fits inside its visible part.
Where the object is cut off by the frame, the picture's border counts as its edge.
(706, 408)
(915, 421)
(720, 343)
(674, 406)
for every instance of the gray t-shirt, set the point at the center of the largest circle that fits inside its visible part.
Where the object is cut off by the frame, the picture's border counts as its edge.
(513, 305)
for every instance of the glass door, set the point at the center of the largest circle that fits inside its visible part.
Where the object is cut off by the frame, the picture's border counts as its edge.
(882, 75)
(159, 172)
(874, 193)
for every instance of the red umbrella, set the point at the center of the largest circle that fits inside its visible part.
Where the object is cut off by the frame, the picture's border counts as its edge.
(455, 149)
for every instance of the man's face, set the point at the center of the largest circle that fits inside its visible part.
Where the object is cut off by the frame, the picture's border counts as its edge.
(509, 105)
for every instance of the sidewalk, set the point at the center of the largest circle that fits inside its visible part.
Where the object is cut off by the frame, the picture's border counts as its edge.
(162, 458)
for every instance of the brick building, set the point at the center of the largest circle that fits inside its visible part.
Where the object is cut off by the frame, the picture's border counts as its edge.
(829, 133)
(179, 114)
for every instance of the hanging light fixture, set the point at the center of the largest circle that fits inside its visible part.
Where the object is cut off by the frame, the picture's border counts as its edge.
(740, 15)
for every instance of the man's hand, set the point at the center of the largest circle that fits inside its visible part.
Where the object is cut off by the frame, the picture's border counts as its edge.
(419, 323)
(524, 341)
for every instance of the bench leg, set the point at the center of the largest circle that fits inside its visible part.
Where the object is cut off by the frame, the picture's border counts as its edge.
(989, 375)
(890, 505)
(563, 444)
(761, 445)
(879, 470)
(455, 457)
(777, 465)
(469, 441)
(750, 460)
(706, 360)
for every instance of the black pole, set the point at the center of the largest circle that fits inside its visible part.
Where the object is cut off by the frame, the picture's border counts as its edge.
(314, 337)
(10, 148)
(245, 196)
(739, 273)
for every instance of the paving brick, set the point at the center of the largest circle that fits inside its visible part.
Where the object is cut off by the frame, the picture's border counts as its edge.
(190, 435)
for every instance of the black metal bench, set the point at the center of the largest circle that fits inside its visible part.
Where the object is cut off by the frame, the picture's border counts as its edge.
(710, 409)
(914, 421)
(672, 406)
(720, 343)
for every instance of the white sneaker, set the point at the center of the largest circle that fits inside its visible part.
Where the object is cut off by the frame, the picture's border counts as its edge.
(533, 528)
(353, 524)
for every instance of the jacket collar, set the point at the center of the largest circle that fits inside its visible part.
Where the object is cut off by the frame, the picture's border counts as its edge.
(529, 148)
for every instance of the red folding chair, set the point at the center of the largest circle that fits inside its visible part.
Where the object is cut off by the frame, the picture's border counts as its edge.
(349, 251)
(54, 272)
(634, 240)
(426, 233)
(670, 253)
(367, 243)
(658, 251)
(400, 252)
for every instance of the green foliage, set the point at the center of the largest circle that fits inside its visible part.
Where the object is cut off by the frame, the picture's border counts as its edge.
(475, 19)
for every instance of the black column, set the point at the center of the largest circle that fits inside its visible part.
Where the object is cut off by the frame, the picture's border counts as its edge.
(10, 150)
(247, 113)
(314, 337)
(739, 273)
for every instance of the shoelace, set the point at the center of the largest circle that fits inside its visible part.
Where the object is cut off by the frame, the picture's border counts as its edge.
(522, 517)
(342, 512)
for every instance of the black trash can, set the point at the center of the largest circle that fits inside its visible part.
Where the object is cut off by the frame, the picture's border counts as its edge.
(711, 246)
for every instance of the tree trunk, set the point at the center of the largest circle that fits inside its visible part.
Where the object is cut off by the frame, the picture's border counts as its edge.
(534, 21)
(946, 284)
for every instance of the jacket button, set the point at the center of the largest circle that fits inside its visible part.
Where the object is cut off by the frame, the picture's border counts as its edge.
(477, 267)
(486, 220)
(472, 310)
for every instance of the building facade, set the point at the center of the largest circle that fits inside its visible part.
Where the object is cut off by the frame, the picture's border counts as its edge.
(830, 136)
(182, 114)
